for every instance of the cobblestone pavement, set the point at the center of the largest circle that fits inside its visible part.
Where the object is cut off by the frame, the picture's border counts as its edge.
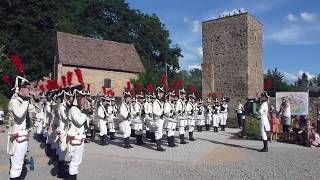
(211, 156)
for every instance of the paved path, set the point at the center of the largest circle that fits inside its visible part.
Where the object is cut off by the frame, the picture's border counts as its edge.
(212, 156)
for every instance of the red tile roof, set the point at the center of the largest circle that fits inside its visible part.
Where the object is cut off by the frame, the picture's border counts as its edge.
(82, 51)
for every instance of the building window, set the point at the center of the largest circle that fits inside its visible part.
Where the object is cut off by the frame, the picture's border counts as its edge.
(107, 83)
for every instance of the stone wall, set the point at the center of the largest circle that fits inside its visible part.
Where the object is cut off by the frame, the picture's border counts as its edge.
(96, 78)
(233, 46)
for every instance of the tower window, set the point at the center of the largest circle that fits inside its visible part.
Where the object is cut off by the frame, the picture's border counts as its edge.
(107, 83)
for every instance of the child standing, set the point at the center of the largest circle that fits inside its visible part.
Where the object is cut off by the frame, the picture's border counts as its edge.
(275, 127)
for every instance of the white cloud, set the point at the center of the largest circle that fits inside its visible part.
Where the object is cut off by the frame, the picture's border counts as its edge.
(293, 77)
(291, 17)
(199, 51)
(196, 26)
(185, 20)
(194, 66)
(308, 17)
(232, 12)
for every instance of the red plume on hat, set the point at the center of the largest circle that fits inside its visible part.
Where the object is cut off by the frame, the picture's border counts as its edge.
(64, 82)
(112, 93)
(179, 83)
(174, 84)
(192, 89)
(17, 61)
(164, 79)
(42, 88)
(129, 86)
(150, 88)
(222, 94)
(209, 95)
(69, 78)
(133, 94)
(214, 95)
(104, 90)
(167, 88)
(267, 85)
(139, 87)
(79, 75)
(88, 87)
(6, 79)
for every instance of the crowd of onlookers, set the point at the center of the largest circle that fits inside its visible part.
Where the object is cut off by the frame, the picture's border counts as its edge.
(295, 129)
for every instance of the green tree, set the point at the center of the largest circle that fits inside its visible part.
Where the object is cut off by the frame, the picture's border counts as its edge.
(279, 84)
(302, 83)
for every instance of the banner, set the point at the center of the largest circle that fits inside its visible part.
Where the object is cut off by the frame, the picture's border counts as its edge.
(299, 102)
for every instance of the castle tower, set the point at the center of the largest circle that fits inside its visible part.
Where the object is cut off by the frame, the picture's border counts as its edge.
(233, 56)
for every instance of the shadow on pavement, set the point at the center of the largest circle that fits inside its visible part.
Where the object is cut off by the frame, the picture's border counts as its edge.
(228, 144)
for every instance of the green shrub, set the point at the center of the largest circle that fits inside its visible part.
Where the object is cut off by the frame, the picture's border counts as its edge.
(252, 128)
(4, 104)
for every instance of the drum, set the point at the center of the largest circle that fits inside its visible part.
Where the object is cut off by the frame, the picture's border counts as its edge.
(111, 124)
(191, 121)
(150, 122)
(170, 124)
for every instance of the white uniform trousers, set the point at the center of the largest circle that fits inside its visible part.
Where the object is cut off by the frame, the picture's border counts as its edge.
(76, 159)
(208, 118)
(111, 125)
(159, 128)
(171, 132)
(223, 119)
(40, 128)
(264, 127)
(17, 159)
(103, 127)
(182, 126)
(191, 123)
(125, 128)
(216, 120)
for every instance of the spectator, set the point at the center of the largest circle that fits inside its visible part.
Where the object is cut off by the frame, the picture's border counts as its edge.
(272, 110)
(275, 127)
(240, 113)
(285, 112)
(297, 130)
(314, 138)
(1, 119)
(318, 121)
(307, 134)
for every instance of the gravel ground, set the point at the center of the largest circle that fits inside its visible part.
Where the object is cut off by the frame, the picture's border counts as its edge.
(212, 156)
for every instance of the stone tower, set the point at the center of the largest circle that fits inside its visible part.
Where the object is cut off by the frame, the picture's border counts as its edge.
(233, 56)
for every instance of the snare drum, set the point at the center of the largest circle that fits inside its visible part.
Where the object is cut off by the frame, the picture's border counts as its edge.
(191, 122)
(150, 122)
(137, 126)
(170, 124)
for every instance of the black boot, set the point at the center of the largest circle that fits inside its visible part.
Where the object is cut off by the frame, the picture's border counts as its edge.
(153, 137)
(191, 136)
(159, 148)
(148, 135)
(182, 141)
(127, 143)
(221, 128)
(102, 141)
(171, 141)
(106, 140)
(133, 133)
(207, 127)
(48, 150)
(139, 140)
(200, 128)
(93, 135)
(112, 136)
(73, 177)
(61, 171)
(265, 146)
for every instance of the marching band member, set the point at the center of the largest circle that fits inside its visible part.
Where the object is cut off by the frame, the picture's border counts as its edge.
(63, 110)
(208, 114)
(76, 132)
(200, 115)
(112, 111)
(19, 118)
(147, 107)
(53, 125)
(133, 113)
(216, 115)
(180, 111)
(264, 121)
(224, 114)
(39, 107)
(169, 114)
(138, 121)
(157, 109)
(103, 116)
(125, 118)
(190, 109)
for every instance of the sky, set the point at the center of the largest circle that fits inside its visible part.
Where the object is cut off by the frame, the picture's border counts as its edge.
(291, 29)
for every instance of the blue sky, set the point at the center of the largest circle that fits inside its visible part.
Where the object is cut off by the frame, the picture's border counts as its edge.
(291, 29)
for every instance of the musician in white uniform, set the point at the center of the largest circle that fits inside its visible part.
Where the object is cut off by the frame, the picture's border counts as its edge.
(125, 119)
(148, 116)
(103, 116)
(157, 109)
(39, 107)
(264, 121)
(190, 110)
(216, 115)
(76, 132)
(223, 114)
(208, 114)
(200, 122)
(180, 111)
(112, 112)
(18, 133)
(138, 120)
(170, 121)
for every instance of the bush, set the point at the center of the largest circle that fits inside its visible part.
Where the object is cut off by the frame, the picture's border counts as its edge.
(4, 104)
(252, 128)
